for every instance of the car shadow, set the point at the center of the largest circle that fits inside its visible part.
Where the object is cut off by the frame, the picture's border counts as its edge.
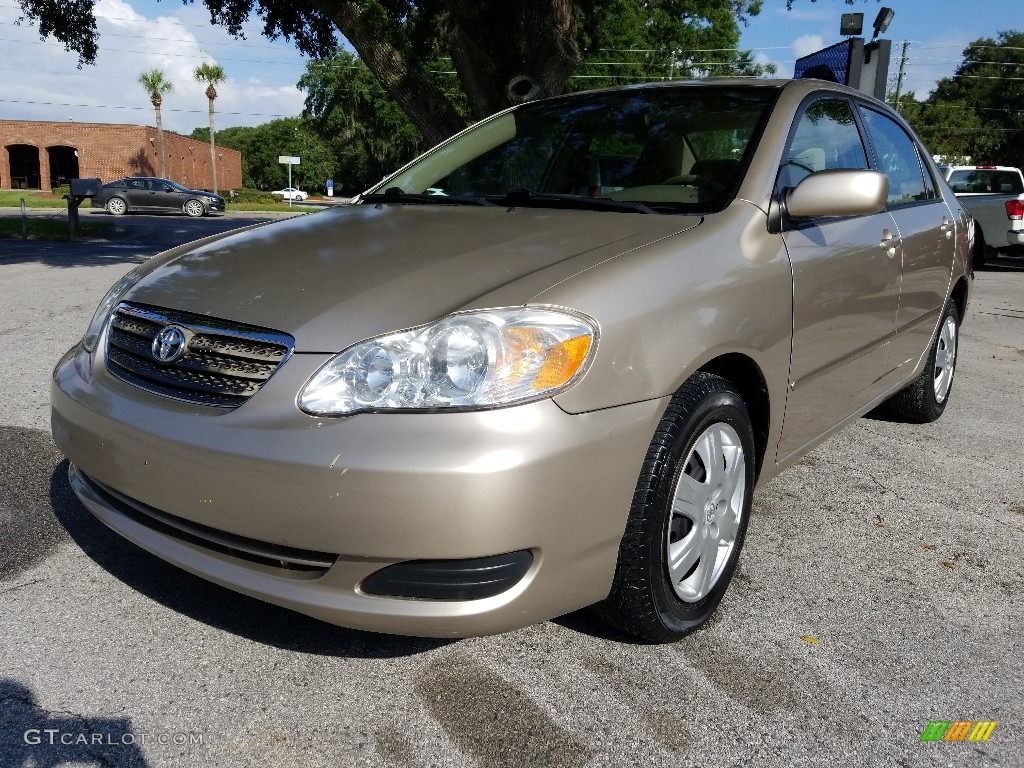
(584, 622)
(1003, 264)
(212, 604)
(124, 241)
(38, 738)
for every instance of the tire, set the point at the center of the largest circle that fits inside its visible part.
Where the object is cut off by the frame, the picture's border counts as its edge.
(116, 206)
(194, 208)
(692, 501)
(925, 400)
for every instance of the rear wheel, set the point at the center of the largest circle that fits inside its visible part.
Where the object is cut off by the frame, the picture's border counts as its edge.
(116, 206)
(194, 208)
(925, 399)
(689, 515)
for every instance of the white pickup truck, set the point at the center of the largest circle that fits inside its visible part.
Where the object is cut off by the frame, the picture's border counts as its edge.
(994, 194)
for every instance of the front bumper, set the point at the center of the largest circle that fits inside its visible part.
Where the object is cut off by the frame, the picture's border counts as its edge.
(363, 493)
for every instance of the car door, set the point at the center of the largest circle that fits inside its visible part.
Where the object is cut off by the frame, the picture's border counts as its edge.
(926, 229)
(846, 284)
(136, 192)
(163, 197)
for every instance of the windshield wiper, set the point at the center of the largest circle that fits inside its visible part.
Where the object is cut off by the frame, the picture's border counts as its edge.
(525, 198)
(396, 195)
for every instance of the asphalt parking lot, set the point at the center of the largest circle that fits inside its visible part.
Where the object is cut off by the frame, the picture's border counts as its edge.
(881, 588)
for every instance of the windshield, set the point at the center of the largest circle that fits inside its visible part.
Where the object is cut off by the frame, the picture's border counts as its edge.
(681, 148)
(175, 186)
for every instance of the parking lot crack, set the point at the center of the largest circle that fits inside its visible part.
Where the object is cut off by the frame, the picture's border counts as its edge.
(16, 587)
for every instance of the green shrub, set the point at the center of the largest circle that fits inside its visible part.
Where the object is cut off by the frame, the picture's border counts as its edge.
(251, 196)
(61, 190)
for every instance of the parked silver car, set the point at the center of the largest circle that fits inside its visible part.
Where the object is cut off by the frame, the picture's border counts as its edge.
(541, 367)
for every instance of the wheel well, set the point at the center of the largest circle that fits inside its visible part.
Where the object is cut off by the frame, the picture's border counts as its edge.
(743, 373)
(959, 296)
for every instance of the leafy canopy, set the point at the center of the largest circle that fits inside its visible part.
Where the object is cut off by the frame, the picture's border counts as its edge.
(499, 52)
(979, 111)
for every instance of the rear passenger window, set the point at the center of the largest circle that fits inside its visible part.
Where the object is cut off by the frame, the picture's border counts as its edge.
(826, 137)
(898, 159)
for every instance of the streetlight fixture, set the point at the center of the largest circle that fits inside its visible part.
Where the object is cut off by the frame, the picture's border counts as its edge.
(882, 21)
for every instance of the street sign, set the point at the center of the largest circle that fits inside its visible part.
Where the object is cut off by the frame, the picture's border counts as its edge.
(289, 161)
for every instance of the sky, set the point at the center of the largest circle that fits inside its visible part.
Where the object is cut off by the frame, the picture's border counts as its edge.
(41, 81)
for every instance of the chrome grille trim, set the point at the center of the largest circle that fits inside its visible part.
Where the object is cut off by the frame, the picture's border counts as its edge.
(224, 365)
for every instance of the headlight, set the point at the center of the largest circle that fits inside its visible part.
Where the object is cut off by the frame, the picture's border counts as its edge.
(468, 360)
(107, 304)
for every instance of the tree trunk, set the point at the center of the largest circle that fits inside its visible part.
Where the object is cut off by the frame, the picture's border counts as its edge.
(515, 51)
(211, 94)
(160, 136)
(404, 78)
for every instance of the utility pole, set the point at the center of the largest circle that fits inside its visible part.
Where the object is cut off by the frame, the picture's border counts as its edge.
(899, 76)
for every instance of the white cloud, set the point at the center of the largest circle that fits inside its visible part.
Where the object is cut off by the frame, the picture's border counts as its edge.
(53, 88)
(807, 44)
(763, 60)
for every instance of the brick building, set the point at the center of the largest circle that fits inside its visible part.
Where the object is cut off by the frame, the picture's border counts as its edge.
(41, 155)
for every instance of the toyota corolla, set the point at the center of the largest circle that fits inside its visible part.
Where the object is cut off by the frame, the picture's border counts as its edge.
(541, 367)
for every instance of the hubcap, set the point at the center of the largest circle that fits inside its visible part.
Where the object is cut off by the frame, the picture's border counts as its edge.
(706, 509)
(945, 359)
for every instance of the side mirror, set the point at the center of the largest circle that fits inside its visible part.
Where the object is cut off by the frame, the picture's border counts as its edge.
(838, 192)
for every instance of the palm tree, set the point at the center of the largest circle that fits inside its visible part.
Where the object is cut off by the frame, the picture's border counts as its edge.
(213, 75)
(157, 85)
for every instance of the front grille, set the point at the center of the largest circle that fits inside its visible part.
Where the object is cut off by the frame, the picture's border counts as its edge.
(223, 364)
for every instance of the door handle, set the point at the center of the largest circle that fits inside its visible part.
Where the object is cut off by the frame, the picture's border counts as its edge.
(946, 227)
(890, 243)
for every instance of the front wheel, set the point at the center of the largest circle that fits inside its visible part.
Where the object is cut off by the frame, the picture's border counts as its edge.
(925, 399)
(689, 515)
(116, 206)
(194, 208)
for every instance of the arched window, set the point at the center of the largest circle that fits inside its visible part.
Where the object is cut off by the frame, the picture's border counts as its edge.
(24, 160)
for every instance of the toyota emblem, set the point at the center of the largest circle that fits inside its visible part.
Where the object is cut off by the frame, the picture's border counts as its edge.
(169, 345)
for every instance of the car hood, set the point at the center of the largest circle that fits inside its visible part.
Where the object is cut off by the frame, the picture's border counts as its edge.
(336, 277)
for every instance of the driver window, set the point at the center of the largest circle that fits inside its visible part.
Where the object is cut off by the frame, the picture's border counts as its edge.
(826, 137)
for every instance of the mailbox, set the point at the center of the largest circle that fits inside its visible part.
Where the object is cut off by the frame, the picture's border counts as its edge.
(80, 189)
(85, 187)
